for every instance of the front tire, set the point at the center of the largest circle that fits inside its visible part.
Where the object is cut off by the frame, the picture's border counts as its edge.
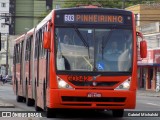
(37, 108)
(51, 113)
(29, 101)
(118, 113)
(19, 98)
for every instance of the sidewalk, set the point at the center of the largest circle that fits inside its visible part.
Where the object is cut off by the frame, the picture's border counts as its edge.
(3, 103)
(148, 93)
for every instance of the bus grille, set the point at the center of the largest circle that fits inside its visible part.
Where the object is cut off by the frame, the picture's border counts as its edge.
(99, 84)
(98, 99)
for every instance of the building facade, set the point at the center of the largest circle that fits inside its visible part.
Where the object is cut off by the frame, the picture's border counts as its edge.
(4, 11)
(28, 13)
(16, 18)
(4, 30)
(149, 68)
(148, 22)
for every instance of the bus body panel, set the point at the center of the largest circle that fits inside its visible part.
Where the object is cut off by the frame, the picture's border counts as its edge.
(55, 94)
(26, 78)
(17, 66)
(19, 90)
(57, 102)
(42, 79)
(134, 70)
(52, 75)
(32, 74)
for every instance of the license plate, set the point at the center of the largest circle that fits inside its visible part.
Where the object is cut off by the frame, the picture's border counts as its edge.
(93, 94)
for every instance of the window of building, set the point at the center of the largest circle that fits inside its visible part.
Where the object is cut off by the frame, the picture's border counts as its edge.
(3, 14)
(2, 25)
(2, 57)
(3, 4)
(2, 44)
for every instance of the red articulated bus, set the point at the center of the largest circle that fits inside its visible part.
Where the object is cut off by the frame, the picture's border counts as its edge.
(79, 58)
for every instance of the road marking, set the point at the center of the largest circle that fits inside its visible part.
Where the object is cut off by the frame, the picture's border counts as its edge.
(153, 104)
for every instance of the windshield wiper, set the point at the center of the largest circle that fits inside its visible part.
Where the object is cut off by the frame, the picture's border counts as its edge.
(82, 39)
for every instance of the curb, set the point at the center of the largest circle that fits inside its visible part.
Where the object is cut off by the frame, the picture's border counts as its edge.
(154, 94)
(6, 105)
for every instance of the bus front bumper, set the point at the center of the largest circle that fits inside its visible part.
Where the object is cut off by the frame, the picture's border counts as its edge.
(92, 99)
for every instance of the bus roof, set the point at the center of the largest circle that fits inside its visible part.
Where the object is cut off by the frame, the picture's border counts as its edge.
(44, 21)
(30, 32)
(93, 10)
(20, 38)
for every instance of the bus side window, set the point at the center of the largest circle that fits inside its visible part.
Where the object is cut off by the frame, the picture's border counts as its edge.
(43, 50)
(40, 43)
(26, 51)
(30, 40)
(36, 46)
(15, 53)
(18, 51)
(14, 57)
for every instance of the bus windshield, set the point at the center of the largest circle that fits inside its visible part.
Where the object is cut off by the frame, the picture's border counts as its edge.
(93, 49)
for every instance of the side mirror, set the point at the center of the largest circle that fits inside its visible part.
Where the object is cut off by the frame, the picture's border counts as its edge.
(46, 40)
(140, 34)
(143, 49)
(143, 46)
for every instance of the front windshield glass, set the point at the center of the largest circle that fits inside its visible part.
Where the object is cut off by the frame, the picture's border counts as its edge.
(90, 49)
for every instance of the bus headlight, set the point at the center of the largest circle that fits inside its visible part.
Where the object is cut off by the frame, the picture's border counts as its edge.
(125, 85)
(62, 84)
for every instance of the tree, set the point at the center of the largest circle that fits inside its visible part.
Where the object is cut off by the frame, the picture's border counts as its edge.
(103, 3)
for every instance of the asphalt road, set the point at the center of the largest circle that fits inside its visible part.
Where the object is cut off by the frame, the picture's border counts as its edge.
(144, 103)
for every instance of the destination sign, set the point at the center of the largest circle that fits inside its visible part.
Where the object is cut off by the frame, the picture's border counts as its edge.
(93, 18)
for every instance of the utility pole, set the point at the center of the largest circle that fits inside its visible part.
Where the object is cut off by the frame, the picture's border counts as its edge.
(7, 23)
(0, 41)
(123, 4)
(7, 55)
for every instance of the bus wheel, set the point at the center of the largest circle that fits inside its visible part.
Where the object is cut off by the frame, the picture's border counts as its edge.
(37, 108)
(19, 98)
(44, 96)
(50, 113)
(29, 101)
(118, 113)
